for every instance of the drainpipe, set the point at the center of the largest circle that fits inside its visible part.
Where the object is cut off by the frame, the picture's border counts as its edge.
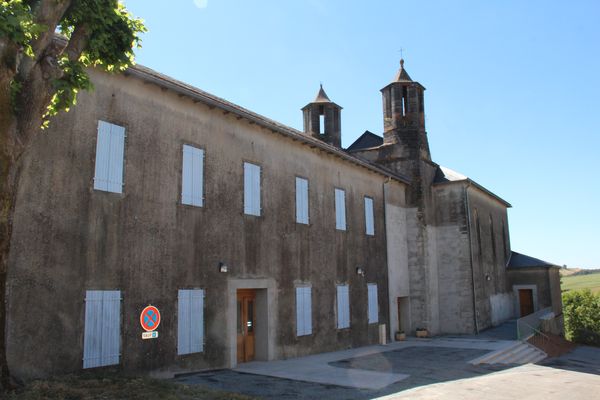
(390, 309)
(468, 209)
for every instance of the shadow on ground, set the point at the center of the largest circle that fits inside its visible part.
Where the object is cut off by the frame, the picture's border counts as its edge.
(425, 365)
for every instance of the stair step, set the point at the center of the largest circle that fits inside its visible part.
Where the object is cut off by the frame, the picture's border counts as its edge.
(519, 353)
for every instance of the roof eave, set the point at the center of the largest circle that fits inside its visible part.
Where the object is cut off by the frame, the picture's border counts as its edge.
(478, 186)
(197, 95)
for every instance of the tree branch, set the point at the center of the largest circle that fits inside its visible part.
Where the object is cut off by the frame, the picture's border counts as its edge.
(48, 13)
(77, 42)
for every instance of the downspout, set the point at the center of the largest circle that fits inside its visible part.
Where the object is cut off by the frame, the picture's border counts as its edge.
(387, 265)
(468, 209)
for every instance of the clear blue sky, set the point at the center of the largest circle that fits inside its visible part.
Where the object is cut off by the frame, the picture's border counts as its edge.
(512, 100)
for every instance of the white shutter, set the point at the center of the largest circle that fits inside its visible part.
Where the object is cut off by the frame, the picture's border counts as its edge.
(303, 311)
(115, 169)
(343, 307)
(251, 189)
(369, 219)
(299, 311)
(301, 201)
(190, 321)
(340, 209)
(373, 303)
(102, 156)
(110, 147)
(102, 330)
(197, 321)
(307, 311)
(183, 322)
(192, 176)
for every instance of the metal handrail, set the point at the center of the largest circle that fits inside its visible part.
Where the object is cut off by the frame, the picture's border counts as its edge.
(530, 323)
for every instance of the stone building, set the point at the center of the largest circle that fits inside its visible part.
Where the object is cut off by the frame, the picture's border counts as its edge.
(252, 239)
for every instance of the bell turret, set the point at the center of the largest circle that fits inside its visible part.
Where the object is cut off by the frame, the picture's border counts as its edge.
(322, 119)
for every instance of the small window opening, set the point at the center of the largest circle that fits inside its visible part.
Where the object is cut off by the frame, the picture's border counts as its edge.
(404, 101)
(322, 124)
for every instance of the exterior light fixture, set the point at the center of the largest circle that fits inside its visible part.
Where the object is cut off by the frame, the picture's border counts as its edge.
(488, 278)
(223, 267)
(360, 271)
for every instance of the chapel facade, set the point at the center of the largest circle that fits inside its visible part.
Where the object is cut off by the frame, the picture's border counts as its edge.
(255, 241)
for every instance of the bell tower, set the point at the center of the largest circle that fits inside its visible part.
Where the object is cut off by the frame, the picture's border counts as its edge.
(404, 116)
(322, 119)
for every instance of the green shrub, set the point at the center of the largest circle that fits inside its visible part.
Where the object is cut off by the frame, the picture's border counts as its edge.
(581, 309)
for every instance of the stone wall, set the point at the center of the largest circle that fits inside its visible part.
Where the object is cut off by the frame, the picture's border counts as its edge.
(69, 238)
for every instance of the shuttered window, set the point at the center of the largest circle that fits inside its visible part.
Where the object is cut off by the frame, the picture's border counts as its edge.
(369, 220)
(251, 189)
(192, 176)
(109, 157)
(102, 330)
(301, 201)
(340, 210)
(343, 306)
(303, 311)
(373, 305)
(190, 321)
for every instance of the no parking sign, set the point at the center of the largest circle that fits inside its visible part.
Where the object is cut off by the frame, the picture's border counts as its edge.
(150, 319)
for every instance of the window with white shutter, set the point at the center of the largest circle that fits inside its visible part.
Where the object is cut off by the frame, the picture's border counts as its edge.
(369, 218)
(343, 306)
(251, 189)
(190, 321)
(340, 209)
(110, 148)
(301, 200)
(192, 176)
(303, 311)
(102, 329)
(373, 305)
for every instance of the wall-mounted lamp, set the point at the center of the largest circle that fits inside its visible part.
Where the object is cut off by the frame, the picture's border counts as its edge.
(223, 267)
(488, 278)
(360, 271)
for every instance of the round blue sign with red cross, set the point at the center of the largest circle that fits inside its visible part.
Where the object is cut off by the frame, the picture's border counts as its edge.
(150, 318)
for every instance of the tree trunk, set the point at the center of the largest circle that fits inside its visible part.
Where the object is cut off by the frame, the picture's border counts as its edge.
(10, 150)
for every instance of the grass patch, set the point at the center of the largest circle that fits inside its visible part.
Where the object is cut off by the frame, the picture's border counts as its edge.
(578, 282)
(88, 386)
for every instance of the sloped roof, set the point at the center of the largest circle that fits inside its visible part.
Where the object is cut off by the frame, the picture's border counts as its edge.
(444, 175)
(518, 260)
(183, 89)
(321, 96)
(366, 141)
(402, 75)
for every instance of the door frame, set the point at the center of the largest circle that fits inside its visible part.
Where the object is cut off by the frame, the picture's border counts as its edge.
(517, 302)
(265, 307)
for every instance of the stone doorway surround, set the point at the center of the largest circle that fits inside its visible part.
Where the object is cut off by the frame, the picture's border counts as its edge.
(266, 317)
(517, 303)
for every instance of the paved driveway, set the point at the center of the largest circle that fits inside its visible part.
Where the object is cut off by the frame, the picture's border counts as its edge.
(415, 369)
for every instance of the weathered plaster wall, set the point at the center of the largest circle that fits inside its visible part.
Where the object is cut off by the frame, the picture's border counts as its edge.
(451, 232)
(398, 276)
(69, 238)
(490, 250)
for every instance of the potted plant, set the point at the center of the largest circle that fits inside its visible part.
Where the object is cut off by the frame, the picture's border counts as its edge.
(422, 332)
(400, 336)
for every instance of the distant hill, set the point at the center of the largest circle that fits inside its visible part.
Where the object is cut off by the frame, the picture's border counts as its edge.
(578, 271)
(577, 278)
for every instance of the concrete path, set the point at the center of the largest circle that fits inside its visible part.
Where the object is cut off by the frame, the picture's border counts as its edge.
(526, 382)
(318, 368)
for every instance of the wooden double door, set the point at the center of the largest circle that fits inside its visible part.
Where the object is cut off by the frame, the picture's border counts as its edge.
(246, 315)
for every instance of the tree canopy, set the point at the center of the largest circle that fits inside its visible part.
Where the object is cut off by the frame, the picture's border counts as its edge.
(98, 33)
(45, 48)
